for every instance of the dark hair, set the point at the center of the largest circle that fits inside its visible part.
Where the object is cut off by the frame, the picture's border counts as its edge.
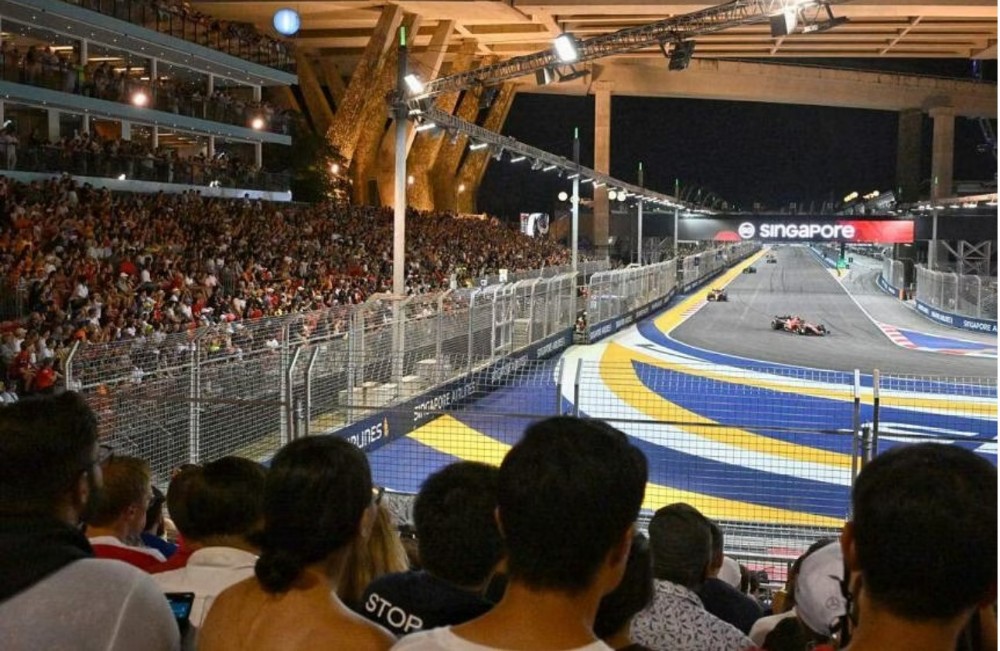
(46, 442)
(221, 498)
(126, 480)
(567, 493)
(457, 533)
(925, 529)
(681, 541)
(790, 634)
(154, 512)
(315, 495)
(632, 595)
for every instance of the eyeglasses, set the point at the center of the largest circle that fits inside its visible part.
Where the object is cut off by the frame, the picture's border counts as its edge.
(377, 493)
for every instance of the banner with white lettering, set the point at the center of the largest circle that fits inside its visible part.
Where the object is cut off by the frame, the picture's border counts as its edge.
(797, 229)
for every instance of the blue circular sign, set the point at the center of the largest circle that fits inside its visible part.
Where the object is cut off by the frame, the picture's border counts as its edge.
(287, 21)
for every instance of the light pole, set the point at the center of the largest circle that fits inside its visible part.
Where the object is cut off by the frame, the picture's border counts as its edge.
(399, 212)
(576, 195)
(677, 196)
(639, 220)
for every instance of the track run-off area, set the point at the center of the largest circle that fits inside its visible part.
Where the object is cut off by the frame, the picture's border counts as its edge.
(747, 424)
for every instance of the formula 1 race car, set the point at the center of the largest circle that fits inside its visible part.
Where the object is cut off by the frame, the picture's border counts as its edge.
(718, 295)
(796, 324)
(771, 260)
(750, 270)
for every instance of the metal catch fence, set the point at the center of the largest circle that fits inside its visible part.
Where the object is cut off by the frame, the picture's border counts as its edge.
(964, 294)
(894, 273)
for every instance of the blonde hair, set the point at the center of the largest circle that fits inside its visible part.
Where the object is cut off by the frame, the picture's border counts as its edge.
(381, 553)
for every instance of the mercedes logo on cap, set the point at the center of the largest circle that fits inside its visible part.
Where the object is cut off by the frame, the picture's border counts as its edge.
(746, 230)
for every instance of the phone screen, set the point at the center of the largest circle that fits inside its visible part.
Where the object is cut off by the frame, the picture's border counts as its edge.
(180, 604)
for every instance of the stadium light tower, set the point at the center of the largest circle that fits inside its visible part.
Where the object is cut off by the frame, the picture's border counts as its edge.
(576, 197)
(565, 47)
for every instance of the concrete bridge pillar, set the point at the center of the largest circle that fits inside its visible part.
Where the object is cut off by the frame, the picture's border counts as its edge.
(908, 155)
(602, 161)
(943, 152)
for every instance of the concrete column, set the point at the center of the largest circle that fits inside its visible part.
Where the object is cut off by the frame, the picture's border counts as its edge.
(256, 92)
(53, 125)
(85, 125)
(211, 146)
(345, 130)
(943, 152)
(258, 154)
(84, 52)
(126, 130)
(602, 161)
(210, 85)
(908, 149)
(316, 103)
(154, 138)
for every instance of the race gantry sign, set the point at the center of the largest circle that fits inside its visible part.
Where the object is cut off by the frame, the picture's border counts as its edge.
(793, 228)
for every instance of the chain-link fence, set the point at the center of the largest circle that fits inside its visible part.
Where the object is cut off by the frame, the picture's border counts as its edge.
(694, 268)
(966, 295)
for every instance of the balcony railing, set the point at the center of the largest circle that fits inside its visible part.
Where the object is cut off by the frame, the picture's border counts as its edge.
(236, 39)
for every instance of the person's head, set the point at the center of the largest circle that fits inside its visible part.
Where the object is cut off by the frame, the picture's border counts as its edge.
(316, 495)
(218, 501)
(718, 544)
(632, 595)
(49, 458)
(154, 513)
(369, 557)
(127, 492)
(568, 495)
(793, 572)
(819, 601)
(790, 634)
(681, 541)
(923, 536)
(454, 516)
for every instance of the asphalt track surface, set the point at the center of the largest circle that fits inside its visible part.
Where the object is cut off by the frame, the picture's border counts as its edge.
(800, 284)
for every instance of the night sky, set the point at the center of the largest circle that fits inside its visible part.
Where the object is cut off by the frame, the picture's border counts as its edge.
(744, 152)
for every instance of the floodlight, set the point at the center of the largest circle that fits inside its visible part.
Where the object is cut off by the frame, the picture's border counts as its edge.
(565, 47)
(426, 126)
(517, 159)
(413, 83)
(563, 196)
(476, 146)
(612, 195)
(257, 123)
(140, 98)
(783, 23)
(548, 168)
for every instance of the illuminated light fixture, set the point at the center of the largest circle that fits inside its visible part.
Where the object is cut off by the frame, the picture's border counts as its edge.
(335, 168)
(784, 22)
(478, 145)
(140, 98)
(257, 123)
(413, 83)
(548, 168)
(410, 180)
(851, 197)
(461, 187)
(572, 176)
(563, 196)
(598, 184)
(426, 126)
(612, 195)
(286, 21)
(517, 159)
(565, 47)
(121, 177)
(587, 179)
(622, 195)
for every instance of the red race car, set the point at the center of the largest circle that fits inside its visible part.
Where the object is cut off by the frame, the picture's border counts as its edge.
(798, 325)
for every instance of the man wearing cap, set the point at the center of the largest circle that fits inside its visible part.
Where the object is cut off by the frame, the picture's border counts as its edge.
(921, 548)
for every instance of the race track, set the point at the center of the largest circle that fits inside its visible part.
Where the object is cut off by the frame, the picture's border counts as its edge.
(800, 284)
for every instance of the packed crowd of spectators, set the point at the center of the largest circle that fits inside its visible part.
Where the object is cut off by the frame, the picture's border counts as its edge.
(89, 154)
(304, 554)
(180, 19)
(97, 267)
(39, 65)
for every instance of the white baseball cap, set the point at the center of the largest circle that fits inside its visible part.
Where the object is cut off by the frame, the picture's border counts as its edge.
(819, 601)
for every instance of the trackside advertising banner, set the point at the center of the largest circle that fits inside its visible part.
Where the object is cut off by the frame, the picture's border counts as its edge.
(792, 228)
(399, 420)
(957, 320)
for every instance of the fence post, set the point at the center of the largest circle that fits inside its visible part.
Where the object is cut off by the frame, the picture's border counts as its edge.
(68, 378)
(876, 382)
(559, 384)
(472, 320)
(309, 375)
(576, 387)
(855, 425)
(288, 431)
(866, 445)
(194, 409)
